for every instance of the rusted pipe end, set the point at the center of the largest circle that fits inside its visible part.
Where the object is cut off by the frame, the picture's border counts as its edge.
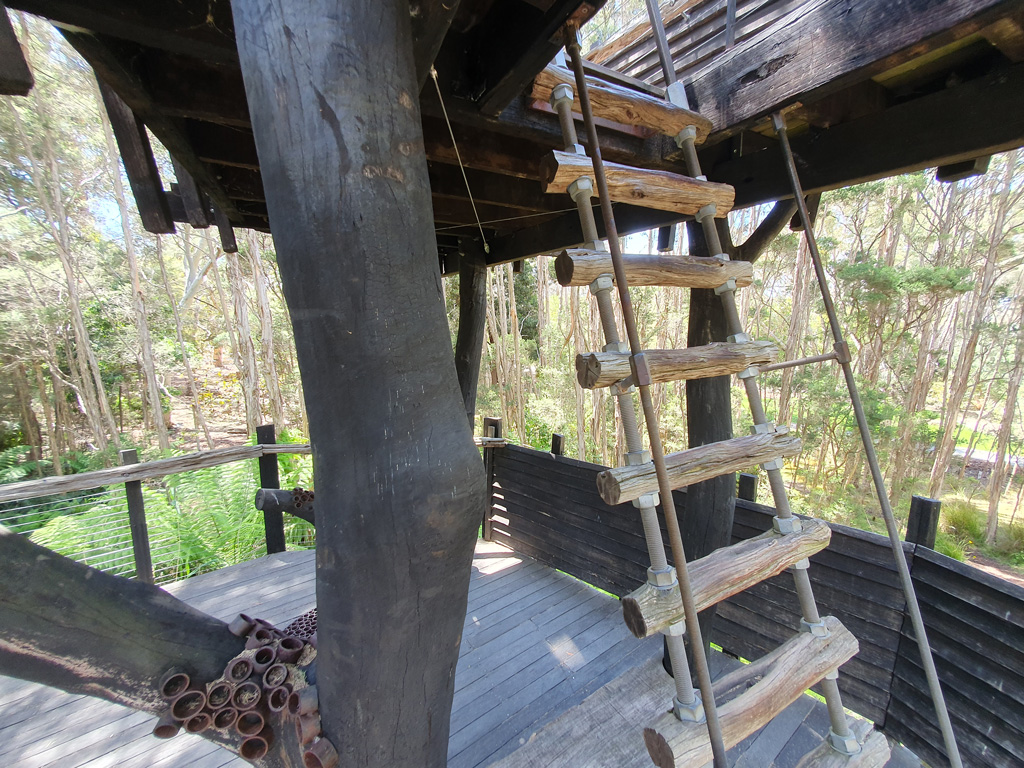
(218, 694)
(246, 696)
(198, 722)
(253, 748)
(307, 727)
(305, 701)
(225, 718)
(166, 727)
(241, 625)
(320, 754)
(249, 723)
(238, 670)
(191, 702)
(289, 650)
(277, 699)
(263, 658)
(173, 684)
(275, 676)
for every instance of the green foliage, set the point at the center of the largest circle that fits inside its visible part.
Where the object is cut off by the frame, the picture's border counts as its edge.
(962, 521)
(949, 546)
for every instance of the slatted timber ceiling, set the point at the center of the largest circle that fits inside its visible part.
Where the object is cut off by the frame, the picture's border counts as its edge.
(175, 65)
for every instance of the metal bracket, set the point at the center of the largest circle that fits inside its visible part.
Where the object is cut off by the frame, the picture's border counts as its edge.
(603, 282)
(583, 186)
(624, 387)
(842, 352)
(786, 525)
(676, 94)
(641, 371)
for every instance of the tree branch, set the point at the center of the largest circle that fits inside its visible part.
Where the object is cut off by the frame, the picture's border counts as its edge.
(766, 231)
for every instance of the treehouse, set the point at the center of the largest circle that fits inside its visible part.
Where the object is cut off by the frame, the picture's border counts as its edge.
(387, 143)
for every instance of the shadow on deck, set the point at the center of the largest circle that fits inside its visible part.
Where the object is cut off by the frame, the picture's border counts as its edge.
(537, 643)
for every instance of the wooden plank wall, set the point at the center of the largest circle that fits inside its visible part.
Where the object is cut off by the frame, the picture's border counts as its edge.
(548, 507)
(975, 625)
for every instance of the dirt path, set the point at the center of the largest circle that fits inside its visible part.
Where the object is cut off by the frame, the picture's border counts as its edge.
(995, 568)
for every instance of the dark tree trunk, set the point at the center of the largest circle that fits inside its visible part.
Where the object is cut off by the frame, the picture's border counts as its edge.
(707, 515)
(399, 485)
(472, 316)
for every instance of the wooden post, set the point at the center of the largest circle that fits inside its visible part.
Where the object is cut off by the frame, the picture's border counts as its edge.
(492, 428)
(273, 520)
(333, 101)
(472, 315)
(923, 522)
(747, 487)
(137, 521)
(557, 444)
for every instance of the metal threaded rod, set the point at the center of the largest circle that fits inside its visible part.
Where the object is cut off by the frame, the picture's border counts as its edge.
(913, 608)
(801, 579)
(650, 416)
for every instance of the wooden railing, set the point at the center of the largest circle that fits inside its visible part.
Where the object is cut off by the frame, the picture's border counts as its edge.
(548, 508)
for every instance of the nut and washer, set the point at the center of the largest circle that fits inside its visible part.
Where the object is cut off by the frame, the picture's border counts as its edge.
(708, 210)
(663, 579)
(636, 458)
(583, 186)
(647, 501)
(675, 630)
(622, 347)
(800, 565)
(728, 286)
(748, 373)
(762, 429)
(561, 92)
(692, 713)
(786, 524)
(738, 338)
(816, 628)
(844, 745)
(768, 466)
(602, 283)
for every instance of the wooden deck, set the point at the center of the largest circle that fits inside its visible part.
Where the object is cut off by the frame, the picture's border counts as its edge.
(537, 644)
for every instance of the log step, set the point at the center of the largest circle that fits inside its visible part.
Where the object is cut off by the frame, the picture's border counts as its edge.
(722, 574)
(639, 186)
(694, 465)
(579, 266)
(624, 106)
(775, 681)
(602, 369)
(874, 751)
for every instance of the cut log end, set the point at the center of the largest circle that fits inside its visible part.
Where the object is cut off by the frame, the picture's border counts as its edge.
(634, 617)
(608, 488)
(658, 749)
(588, 371)
(564, 267)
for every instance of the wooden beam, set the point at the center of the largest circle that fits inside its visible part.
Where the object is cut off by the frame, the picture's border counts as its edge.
(472, 315)
(721, 358)
(15, 76)
(530, 39)
(626, 184)
(113, 67)
(430, 22)
(937, 129)
(487, 187)
(577, 266)
(354, 232)
(197, 212)
(183, 86)
(139, 163)
(825, 45)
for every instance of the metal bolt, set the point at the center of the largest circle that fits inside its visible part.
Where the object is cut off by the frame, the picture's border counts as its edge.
(801, 565)
(748, 373)
(844, 745)
(622, 347)
(561, 92)
(582, 187)
(786, 524)
(602, 283)
(676, 630)
(729, 286)
(762, 429)
(664, 578)
(636, 458)
(647, 501)
(816, 628)
(691, 713)
(738, 338)
(708, 210)
(768, 466)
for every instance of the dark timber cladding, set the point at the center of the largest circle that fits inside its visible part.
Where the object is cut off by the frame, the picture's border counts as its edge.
(397, 476)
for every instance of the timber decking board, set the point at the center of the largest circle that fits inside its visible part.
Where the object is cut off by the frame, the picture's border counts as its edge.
(536, 643)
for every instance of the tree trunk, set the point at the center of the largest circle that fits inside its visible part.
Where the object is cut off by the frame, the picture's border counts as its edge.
(398, 478)
(51, 428)
(799, 314)
(152, 387)
(31, 435)
(246, 350)
(1005, 433)
(469, 344)
(268, 359)
(197, 411)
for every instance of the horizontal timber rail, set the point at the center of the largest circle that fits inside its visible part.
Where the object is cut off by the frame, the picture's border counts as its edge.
(547, 507)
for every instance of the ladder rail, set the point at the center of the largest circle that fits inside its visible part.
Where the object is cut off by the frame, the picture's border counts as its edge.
(650, 416)
(913, 607)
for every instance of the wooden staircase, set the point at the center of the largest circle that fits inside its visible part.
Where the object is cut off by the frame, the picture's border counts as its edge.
(747, 699)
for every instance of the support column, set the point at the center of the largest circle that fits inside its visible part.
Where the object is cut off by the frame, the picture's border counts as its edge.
(399, 485)
(469, 344)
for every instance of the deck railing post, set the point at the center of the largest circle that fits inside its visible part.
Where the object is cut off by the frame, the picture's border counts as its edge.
(273, 521)
(747, 487)
(492, 428)
(137, 521)
(557, 444)
(923, 522)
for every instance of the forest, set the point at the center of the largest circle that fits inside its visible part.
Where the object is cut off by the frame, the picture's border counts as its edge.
(113, 338)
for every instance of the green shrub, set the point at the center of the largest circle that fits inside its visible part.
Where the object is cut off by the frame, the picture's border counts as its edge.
(948, 546)
(963, 521)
